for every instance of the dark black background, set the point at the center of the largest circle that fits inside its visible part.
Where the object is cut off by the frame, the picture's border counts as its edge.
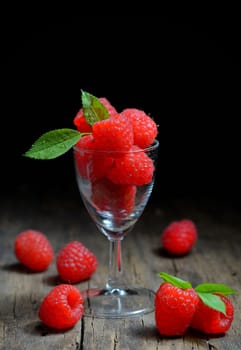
(183, 70)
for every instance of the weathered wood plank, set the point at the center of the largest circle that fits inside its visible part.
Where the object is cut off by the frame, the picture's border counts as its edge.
(215, 258)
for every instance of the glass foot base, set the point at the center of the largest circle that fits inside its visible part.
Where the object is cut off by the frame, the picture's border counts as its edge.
(118, 303)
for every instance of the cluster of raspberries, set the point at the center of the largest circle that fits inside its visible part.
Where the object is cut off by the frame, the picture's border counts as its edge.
(120, 161)
(63, 306)
(179, 307)
(119, 132)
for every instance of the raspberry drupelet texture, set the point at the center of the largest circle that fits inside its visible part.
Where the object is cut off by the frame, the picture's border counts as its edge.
(33, 249)
(144, 127)
(133, 168)
(62, 307)
(179, 237)
(174, 309)
(75, 262)
(113, 134)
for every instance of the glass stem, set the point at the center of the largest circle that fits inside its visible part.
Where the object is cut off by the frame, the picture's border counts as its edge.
(115, 265)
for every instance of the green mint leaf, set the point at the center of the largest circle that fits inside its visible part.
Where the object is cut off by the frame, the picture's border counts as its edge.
(53, 144)
(214, 288)
(93, 109)
(213, 301)
(175, 281)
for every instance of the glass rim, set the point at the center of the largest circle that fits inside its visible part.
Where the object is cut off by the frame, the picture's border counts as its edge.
(150, 148)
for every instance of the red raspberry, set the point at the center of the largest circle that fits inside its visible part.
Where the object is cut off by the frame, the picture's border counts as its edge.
(144, 127)
(75, 262)
(91, 165)
(33, 249)
(179, 237)
(118, 199)
(174, 309)
(113, 134)
(210, 321)
(133, 168)
(62, 307)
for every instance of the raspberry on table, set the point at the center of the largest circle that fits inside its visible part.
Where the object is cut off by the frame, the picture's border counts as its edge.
(210, 321)
(205, 308)
(75, 262)
(133, 168)
(33, 249)
(174, 309)
(62, 307)
(144, 127)
(179, 237)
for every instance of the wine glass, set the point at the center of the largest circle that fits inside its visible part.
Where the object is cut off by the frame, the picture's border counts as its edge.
(114, 208)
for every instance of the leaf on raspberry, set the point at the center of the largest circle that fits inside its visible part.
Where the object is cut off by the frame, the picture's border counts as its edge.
(215, 288)
(93, 108)
(213, 301)
(54, 143)
(175, 281)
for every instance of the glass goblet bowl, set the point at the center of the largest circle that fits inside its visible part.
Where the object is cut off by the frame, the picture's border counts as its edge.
(115, 197)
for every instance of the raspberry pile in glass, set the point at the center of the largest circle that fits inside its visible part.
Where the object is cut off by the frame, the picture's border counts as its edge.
(119, 164)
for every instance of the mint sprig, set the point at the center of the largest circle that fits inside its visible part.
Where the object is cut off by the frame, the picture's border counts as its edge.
(206, 291)
(53, 143)
(93, 109)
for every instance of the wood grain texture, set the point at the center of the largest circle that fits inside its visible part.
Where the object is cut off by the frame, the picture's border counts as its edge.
(215, 258)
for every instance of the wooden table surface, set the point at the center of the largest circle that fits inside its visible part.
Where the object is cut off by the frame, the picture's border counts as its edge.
(215, 258)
